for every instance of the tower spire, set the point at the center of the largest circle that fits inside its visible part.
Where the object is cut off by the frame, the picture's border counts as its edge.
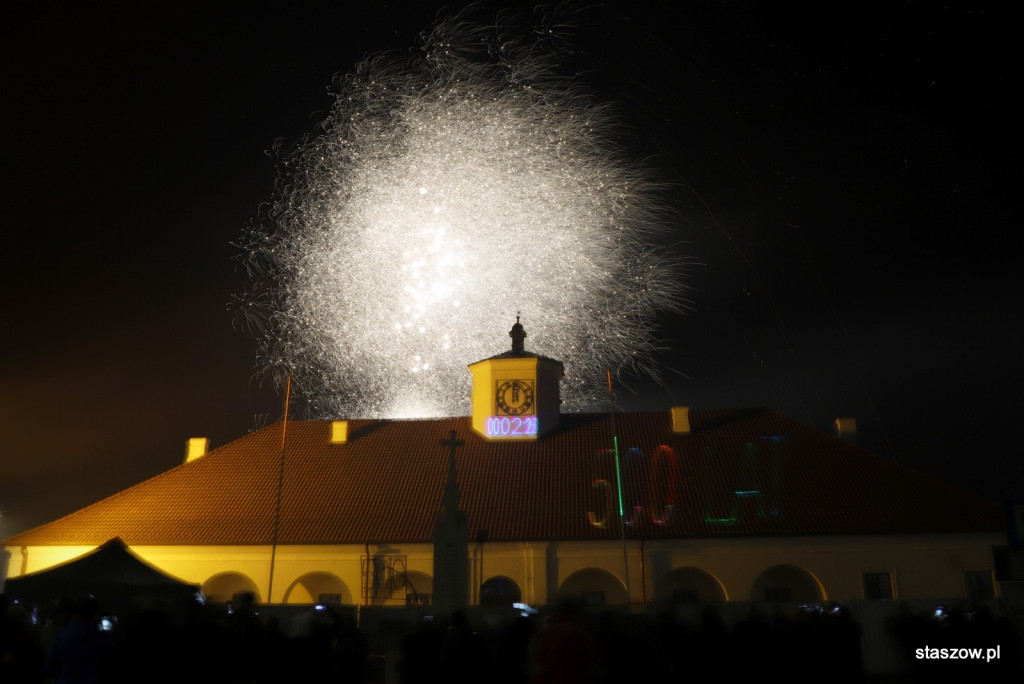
(451, 487)
(451, 540)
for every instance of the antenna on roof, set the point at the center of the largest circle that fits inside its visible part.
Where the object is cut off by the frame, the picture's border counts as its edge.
(280, 487)
(618, 481)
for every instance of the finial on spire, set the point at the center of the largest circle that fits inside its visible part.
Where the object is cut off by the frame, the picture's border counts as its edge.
(518, 334)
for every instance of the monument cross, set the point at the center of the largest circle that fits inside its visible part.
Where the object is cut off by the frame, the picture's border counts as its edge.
(451, 488)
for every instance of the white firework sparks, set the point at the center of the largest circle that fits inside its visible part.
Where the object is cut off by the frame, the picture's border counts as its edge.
(445, 194)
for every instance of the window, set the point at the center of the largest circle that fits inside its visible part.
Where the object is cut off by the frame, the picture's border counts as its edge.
(878, 586)
(418, 599)
(978, 584)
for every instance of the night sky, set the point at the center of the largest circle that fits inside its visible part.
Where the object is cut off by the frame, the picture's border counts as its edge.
(839, 177)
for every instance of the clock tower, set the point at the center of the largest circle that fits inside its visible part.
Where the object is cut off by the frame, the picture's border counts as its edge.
(515, 394)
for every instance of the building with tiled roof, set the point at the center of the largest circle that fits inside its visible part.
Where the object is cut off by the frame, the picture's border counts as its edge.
(717, 505)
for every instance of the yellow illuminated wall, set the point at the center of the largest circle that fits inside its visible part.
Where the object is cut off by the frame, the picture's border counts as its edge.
(923, 566)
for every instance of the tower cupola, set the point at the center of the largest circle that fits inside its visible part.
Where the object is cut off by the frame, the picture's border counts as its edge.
(518, 335)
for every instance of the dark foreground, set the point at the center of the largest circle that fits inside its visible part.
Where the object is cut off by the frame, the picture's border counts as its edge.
(77, 642)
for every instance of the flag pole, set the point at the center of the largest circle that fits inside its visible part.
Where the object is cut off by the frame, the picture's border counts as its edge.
(280, 487)
(618, 480)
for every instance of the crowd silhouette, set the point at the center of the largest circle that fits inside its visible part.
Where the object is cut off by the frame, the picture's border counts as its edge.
(76, 642)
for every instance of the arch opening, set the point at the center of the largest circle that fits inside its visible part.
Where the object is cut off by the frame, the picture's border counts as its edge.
(500, 591)
(318, 587)
(785, 583)
(229, 587)
(593, 587)
(688, 586)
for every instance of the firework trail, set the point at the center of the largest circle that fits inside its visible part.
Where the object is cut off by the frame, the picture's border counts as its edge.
(446, 193)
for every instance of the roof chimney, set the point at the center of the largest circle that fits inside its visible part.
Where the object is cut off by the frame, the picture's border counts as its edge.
(339, 432)
(195, 448)
(681, 420)
(846, 428)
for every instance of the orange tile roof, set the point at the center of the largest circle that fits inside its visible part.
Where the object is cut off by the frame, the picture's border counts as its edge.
(738, 473)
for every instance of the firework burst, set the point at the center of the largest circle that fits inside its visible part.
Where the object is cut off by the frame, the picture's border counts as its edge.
(446, 193)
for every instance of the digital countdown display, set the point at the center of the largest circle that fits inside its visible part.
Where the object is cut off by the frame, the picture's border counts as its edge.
(511, 426)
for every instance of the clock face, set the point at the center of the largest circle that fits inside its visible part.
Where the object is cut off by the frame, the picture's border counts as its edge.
(515, 397)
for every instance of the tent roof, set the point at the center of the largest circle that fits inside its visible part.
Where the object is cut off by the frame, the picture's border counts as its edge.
(111, 572)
